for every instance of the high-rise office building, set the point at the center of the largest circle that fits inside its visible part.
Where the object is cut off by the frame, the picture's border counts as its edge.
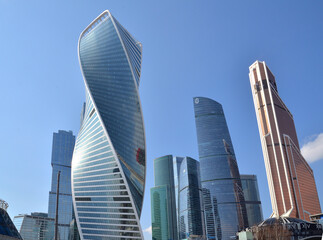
(223, 200)
(252, 199)
(291, 180)
(190, 218)
(109, 160)
(62, 152)
(8, 230)
(162, 223)
(176, 210)
(36, 226)
(163, 200)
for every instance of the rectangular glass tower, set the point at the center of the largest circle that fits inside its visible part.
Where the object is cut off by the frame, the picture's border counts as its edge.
(252, 199)
(176, 209)
(163, 200)
(62, 151)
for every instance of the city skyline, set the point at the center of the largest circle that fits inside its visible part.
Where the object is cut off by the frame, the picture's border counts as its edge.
(178, 64)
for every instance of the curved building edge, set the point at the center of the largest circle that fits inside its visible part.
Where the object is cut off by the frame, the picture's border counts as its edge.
(138, 95)
(104, 128)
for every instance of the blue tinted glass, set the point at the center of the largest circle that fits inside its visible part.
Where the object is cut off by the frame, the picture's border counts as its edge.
(109, 158)
(224, 206)
(62, 151)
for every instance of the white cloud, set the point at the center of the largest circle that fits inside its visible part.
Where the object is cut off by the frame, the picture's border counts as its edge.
(312, 151)
(148, 230)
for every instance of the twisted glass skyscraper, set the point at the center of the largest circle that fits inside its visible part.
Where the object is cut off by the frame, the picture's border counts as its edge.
(224, 207)
(108, 167)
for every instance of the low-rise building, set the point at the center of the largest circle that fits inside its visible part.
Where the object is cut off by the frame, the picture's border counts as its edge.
(36, 226)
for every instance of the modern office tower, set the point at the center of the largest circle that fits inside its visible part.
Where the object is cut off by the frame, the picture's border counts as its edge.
(163, 200)
(252, 199)
(109, 159)
(176, 210)
(8, 231)
(190, 219)
(62, 152)
(291, 180)
(163, 225)
(223, 200)
(36, 226)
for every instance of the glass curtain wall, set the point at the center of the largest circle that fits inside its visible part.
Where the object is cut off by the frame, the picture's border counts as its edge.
(109, 159)
(224, 208)
(176, 199)
(252, 199)
(62, 152)
(190, 204)
(36, 226)
(163, 200)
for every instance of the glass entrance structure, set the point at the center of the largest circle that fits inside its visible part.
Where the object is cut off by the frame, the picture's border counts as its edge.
(109, 159)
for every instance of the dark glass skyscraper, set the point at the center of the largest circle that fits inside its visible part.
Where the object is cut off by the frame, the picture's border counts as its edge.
(190, 220)
(224, 208)
(109, 160)
(175, 199)
(252, 198)
(62, 152)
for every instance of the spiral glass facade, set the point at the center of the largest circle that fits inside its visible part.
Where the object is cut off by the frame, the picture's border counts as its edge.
(108, 166)
(223, 200)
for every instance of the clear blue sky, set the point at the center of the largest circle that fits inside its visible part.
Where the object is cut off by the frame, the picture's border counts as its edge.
(190, 48)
